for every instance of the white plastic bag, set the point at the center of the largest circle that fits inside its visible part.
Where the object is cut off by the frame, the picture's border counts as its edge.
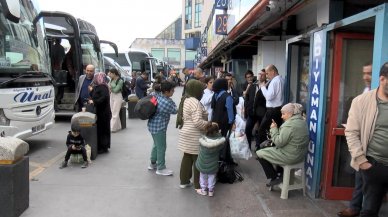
(239, 146)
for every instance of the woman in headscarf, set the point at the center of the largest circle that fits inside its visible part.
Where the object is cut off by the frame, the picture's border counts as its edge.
(291, 143)
(191, 120)
(222, 105)
(223, 113)
(101, 100)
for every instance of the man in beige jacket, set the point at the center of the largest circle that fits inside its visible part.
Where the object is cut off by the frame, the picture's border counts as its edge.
(367, 135)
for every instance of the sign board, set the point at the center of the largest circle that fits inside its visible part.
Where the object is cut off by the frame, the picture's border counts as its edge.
(221, 4)
(221, 24)
(315, 115)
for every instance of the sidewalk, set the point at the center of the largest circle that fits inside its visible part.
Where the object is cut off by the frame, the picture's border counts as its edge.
(118, 184)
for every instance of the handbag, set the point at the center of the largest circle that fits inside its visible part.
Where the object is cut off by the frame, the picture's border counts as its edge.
(239, 147)
(266, 144)
(90, 108)
(227, 174)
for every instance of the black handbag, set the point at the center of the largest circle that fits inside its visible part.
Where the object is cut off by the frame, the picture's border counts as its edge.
(266, 144)
(227, 173)
(90, 108)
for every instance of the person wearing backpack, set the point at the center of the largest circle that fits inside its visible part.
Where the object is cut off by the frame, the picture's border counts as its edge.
(157, 126)
(116, 99)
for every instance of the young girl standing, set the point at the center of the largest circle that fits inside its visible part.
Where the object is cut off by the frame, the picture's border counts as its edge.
(207, 162)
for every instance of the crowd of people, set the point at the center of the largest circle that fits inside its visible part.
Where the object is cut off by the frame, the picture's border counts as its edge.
(207, 113)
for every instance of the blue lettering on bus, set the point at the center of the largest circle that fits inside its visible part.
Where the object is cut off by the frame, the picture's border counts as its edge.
(31, 96)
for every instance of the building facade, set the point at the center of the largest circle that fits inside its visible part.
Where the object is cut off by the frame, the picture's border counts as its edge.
(319, 46)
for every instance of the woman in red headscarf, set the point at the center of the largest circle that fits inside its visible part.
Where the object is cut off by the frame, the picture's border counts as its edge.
(101, 100)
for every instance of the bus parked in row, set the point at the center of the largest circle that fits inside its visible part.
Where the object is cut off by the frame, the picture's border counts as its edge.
(143, 61)
(83, 48)
(122, 59)
(26, 86)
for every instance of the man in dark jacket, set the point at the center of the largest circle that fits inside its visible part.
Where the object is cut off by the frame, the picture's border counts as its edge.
(254, 103)
(141, 85)
(254, 106)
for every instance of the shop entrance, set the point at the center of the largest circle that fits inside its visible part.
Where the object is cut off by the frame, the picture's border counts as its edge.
(351, 52)
(298, 73)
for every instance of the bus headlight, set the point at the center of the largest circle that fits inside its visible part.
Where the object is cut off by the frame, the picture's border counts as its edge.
(3, 119)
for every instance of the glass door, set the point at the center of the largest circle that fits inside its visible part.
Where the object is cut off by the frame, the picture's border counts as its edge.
(351, 52)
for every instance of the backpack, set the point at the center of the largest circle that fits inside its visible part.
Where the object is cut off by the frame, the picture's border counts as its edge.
(227, 174)
(145, 108)
(124, 90)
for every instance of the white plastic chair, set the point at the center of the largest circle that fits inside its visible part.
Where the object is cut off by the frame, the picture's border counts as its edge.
(290, 181)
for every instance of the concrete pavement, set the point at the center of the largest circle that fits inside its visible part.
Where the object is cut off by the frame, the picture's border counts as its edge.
(118, 184)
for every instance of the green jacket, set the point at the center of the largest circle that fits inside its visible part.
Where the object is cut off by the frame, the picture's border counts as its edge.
(209, 151)
(116, 85)
(291, 142)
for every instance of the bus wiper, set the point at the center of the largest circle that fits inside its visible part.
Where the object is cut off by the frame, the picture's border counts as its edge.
(27, 74)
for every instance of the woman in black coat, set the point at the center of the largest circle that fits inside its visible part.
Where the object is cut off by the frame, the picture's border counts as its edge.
(101, 100)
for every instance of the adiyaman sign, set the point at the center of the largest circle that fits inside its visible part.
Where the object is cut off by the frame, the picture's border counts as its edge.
(315, 117)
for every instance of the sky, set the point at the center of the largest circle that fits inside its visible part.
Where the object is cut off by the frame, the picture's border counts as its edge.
(121, 21)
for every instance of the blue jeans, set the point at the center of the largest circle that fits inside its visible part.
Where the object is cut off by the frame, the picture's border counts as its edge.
(374, 188)
(356, 202)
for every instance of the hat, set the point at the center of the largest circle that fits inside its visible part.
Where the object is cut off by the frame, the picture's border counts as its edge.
(75, 127)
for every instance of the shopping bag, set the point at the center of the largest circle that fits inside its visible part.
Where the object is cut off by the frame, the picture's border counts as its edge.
(239, 146)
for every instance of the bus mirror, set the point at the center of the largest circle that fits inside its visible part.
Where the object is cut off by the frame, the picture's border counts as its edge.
(11, 10)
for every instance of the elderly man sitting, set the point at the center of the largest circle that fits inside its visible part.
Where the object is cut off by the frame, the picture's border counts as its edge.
(291, 143)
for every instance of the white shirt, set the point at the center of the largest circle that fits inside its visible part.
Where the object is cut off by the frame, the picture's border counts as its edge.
(206, 101)
(274, 95)
(366, 89)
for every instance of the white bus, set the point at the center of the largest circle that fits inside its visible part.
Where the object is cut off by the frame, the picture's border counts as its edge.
(143, 61)
(26, 88)
(84, 49)
(122, 59)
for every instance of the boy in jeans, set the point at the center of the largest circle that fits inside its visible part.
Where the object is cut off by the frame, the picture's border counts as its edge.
(75, 145)
(157, 126)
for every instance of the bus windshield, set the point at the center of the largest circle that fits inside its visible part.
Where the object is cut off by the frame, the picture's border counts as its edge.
(89, 52)
(121, 59)
(22, 48)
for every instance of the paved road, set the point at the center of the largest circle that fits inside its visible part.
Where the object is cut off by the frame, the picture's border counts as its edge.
(118, 183)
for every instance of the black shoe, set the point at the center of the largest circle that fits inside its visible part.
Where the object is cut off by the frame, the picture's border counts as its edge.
(63, 165)
(274, 182)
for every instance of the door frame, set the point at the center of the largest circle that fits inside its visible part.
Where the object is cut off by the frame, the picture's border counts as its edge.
(333, 192)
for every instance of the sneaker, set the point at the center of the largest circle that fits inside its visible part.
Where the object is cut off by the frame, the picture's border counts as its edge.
(152, 166)
(63, 165)
(298, 172)
(211, 193)
(164, 172)
(85, 164)
(275, 181)
(201, 192)
(186, 185)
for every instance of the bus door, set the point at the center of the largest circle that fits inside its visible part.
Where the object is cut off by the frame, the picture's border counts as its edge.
(351, 51)
(63, 25)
